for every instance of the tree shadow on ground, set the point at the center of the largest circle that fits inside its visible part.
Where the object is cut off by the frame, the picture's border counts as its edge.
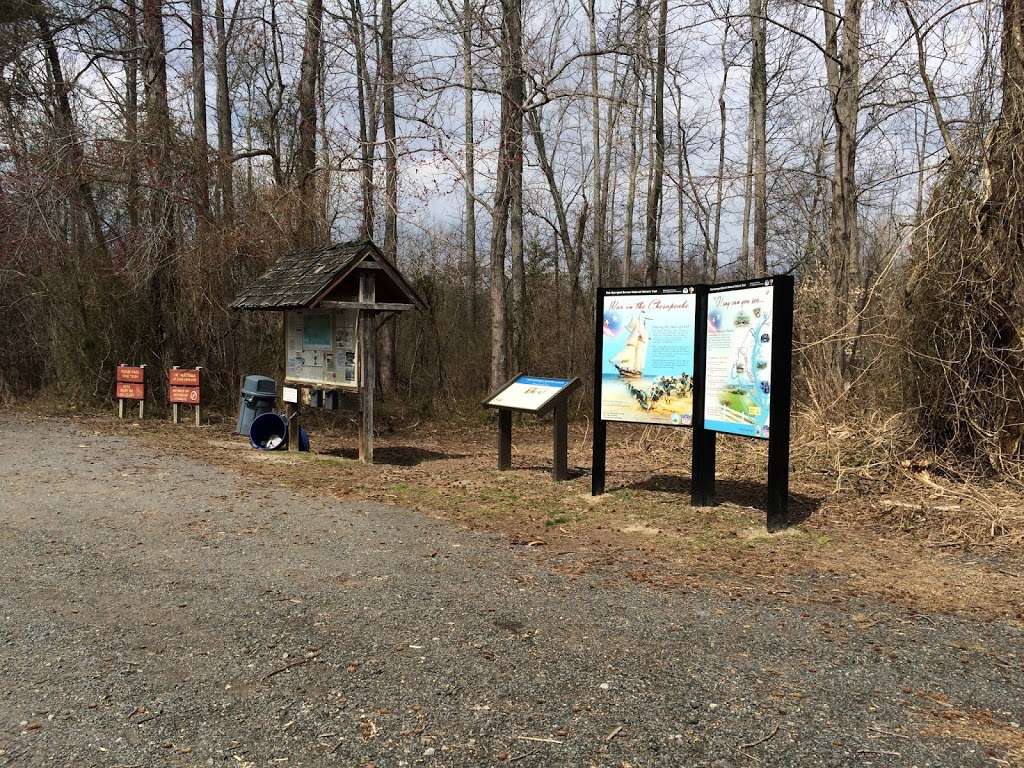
(573, 472)
(742, 492)
(396, 455)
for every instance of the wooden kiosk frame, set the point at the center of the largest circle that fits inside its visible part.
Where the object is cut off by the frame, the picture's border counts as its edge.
(337, 278)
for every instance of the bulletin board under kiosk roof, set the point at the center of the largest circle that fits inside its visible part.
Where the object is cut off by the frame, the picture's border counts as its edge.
(321, 348)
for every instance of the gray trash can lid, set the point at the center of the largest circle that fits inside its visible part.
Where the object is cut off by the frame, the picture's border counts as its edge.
(259, 385)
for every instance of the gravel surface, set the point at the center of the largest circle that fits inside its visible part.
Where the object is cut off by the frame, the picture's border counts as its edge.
(156, 611)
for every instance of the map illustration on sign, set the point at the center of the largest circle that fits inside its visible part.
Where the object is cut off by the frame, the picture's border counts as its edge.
(647, 356)
(738, 378)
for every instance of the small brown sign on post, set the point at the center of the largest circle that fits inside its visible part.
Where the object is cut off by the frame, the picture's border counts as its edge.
(130, 385)
(183, 389)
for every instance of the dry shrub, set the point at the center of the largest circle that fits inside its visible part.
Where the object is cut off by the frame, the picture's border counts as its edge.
(964, 329)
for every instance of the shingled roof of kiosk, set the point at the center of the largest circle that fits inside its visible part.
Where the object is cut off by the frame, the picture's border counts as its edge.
(308, 278)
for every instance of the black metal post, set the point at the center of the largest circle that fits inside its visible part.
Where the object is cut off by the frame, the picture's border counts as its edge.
(597, 464)
(504, 438)
(702, 471)
(778, 424)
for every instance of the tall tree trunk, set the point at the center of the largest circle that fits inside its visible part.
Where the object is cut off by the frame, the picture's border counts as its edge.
(158, 139)
(510, 20)
(131, 118)
(658, 170)
(366, 102)
(597, 257)
(636, 150)
(720, 181)
(843, 238)
(758, 117)
(202, 170)
(519, 308)
(748, 201)
(308, 226)
(82, 200)
(225, 136)
(387, 73)
(470, 161)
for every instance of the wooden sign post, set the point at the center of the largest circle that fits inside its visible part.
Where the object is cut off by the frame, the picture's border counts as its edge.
(183, 388)
(130, 385)
(536, 395)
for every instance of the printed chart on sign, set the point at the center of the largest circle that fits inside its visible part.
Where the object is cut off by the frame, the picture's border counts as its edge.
(646, 353)
(738, 377)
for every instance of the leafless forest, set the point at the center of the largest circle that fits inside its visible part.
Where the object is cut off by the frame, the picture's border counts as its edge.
(510, 156)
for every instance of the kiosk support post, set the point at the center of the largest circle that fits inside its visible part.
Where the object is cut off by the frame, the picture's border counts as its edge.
(598, 455)
(702, 466)
(560, 462)
(504, 439)
(367, 371)
(778, 436)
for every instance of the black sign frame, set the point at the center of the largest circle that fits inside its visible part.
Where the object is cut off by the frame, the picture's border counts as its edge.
(702, 487)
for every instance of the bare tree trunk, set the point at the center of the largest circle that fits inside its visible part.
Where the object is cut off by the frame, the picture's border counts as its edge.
(202, 181)
(720, 182)
(510, 89)
(67, 131)
(759, 117)
(636, 150)
(387, 73)
(470, 161)
(843, 238)
(366, 104)
(308, 226)
(520, 318)
(131, 107)
(658, 171)
(597, 257)
(748, 201)
(158, 139)
(225, 136)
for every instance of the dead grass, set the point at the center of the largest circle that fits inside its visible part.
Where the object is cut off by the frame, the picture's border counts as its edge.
(868, 532)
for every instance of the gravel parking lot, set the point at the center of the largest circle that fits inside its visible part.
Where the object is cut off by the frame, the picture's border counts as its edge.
(157, 611)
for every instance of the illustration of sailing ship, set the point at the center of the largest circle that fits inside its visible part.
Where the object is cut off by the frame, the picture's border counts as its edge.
(631, 359)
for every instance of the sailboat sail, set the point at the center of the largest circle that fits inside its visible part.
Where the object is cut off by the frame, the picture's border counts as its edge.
(631, 359)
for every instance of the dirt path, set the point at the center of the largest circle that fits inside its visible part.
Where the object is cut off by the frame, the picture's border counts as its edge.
(159, 611)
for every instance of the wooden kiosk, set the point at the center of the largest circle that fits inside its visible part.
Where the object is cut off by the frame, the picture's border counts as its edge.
(333, 298)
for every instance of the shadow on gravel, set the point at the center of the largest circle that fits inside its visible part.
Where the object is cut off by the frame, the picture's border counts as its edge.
(742, 492)
(396, 455)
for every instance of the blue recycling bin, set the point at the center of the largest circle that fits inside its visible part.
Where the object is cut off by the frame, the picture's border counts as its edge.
(269, 432)
(259, 396)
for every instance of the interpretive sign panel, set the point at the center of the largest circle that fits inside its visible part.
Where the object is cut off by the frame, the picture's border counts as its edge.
(738, 374)
(646, 349)
(527, 393)
(321, 348)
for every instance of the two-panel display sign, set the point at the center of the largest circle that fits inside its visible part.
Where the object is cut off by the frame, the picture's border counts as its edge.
(648, 341)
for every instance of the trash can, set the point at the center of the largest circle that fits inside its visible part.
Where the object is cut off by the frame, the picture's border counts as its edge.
(269, 432)
(259, 395)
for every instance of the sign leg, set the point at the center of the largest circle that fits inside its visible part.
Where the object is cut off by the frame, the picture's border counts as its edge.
(598, 460)
(199, 420)
(560, 462)
(120, 407)
(293, 427)
(142, 409)
(504, 439)
(174, 413)
(702, 481)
